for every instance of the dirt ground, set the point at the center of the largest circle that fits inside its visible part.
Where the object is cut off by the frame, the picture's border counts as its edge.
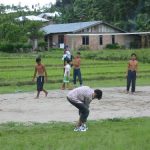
(22, 107)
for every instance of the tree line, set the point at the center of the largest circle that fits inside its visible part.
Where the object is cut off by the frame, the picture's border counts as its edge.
(130, 15)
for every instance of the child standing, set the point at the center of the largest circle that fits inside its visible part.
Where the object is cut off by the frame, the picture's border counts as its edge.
(41, 72)
(76, 70)
(131, 73)
(66, 75)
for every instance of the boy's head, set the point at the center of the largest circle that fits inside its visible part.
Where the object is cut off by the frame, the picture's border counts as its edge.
(78, 54)
(38, 60)
(133, 56)
(98, 94)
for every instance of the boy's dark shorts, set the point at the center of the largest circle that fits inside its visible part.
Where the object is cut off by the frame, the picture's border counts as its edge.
(40, 83)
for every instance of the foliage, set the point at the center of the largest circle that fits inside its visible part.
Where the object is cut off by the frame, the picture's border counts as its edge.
(83, 48)
(129, 15)
(112, 46)
(143, 55)
(14, 47)
(14, 31)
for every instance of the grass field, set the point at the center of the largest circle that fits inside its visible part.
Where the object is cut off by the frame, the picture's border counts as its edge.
(97, 70)
(116, 134)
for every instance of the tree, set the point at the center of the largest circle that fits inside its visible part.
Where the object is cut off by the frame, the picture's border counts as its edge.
(34, 33)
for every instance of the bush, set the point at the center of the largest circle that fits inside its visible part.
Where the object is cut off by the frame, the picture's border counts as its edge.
(42, 44)
(142, 55)
(56, 49)
(7, 47)
(113, 46)
(83, 48)
(14, 47)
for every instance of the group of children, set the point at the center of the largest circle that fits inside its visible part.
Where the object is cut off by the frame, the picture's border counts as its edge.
(82, 96)
(69, 62)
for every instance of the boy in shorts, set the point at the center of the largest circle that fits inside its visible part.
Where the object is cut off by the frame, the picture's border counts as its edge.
(41, 73)
(132, 73)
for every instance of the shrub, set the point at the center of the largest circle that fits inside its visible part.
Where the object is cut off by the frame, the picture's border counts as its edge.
(14, 47)
(83, 48)
(42, 44)
(55, 49)
(7, 47)
(113, 46)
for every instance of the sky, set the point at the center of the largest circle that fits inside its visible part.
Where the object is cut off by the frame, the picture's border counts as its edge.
(26, 2)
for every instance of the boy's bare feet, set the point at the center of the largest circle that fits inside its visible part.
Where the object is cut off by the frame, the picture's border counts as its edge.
(36, 97)
(127, 92)
(46, 93)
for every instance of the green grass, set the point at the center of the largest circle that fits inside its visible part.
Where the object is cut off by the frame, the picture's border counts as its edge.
(116, 134)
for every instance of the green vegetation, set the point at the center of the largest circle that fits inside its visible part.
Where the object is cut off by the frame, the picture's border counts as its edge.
(116, 134)
(18, 36)
(99, 69)
(128, 15)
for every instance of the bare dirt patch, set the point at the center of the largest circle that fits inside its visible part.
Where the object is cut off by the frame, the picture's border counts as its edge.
(22, 107)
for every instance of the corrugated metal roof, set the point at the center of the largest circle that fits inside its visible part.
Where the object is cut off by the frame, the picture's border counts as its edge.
(69, 27)
(32, 18)
(49, 14)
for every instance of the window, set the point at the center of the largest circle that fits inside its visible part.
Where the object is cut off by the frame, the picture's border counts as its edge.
(101, 40)
(85, 40)
(113, 39)
(61, 39)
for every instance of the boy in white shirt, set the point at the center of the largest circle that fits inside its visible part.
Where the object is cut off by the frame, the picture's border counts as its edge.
(66, 75)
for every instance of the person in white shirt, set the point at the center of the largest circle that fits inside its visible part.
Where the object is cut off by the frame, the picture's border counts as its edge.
(81, 97)
(66, 75)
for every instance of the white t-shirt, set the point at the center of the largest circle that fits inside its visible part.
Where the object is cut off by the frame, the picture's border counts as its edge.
(67, 54)
(67, 70)
(82, 94)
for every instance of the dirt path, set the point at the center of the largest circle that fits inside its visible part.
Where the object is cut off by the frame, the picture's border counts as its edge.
(22, 107)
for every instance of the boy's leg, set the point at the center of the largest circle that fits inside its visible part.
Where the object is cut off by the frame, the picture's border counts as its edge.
(67, 85)
(133, 81)
(38, 86)
(74, 76)
(129, 77)
(63, 86)
(80, 77)
(45, 92)
(83, 112)
(42, 85)
(38, 93)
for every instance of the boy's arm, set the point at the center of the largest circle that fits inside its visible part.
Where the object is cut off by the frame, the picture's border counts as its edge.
(136, 68)
(45, 72)
(35, 71)
(127, 69)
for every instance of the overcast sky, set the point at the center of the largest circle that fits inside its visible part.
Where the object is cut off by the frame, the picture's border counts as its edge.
(26, 2)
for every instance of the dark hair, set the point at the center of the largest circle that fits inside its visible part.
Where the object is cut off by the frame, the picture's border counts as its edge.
(133, 54)
(98, 93)
(38, 59)
(68, 61)
(78, 53)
